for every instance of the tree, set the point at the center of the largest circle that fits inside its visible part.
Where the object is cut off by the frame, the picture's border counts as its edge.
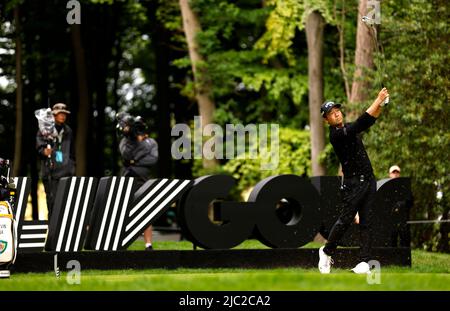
(160, 43)
(310, 15)
(83, 105)
(206, 106)
(363, 61)
(413, 130)
(340, 26)
(247, 86)
(314, 33)
(19, 101)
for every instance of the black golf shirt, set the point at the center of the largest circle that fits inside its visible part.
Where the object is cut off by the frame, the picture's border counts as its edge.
(349, 147)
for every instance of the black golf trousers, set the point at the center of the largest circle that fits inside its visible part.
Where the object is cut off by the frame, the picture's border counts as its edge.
(358, 193)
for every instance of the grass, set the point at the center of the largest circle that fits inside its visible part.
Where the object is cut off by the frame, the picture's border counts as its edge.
(429, 271)
(186, 245)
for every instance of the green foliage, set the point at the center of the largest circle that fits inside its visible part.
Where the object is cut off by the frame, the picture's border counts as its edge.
(169, 15)
(255, 58)
(294, 158)
(278, 82)
(246, 89)
(198, 170)
(287, 17)
(9, 5)
(329, 158)
(275, 83)
(413, 131)
(102, 1)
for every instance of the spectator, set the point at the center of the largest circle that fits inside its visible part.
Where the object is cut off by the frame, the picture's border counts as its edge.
(394, 171)
(401, 235)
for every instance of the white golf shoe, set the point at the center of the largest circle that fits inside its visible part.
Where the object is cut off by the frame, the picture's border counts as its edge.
(362, 268)
(325, 262)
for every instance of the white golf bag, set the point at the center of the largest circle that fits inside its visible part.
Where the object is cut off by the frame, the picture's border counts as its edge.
(7, 236)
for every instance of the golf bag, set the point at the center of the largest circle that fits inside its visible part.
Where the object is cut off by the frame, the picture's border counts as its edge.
(7, 236)
(8, 230)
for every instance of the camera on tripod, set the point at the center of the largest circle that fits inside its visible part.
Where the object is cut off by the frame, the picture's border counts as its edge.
(130, 126)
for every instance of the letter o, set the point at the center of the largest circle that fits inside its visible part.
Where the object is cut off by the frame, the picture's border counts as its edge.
(193, 215)
(269, 228)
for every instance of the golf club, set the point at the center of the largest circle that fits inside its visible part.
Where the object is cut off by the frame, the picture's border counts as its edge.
(370, 22)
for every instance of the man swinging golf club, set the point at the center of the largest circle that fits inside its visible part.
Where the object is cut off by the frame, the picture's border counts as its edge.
(359, 185)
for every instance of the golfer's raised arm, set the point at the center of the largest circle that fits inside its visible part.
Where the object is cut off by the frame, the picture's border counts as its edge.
(375, 109)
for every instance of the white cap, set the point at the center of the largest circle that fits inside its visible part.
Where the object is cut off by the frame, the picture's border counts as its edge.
(394, 168)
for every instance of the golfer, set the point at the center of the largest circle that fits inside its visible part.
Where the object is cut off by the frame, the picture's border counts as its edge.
(359, 185)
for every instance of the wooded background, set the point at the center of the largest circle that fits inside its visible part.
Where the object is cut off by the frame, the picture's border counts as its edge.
(242, 61)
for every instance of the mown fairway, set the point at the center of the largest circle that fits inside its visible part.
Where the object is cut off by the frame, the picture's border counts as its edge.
(430, 271)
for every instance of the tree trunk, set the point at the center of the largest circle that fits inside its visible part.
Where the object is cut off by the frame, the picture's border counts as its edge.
(162, 98)
(161, 41)
(314, 35)
(101, 103)
(206, 106)
(99, 46)
(363, 60)
(19, 107)
(115, 105)
(29, 127)
(341, 30)
(83, 106)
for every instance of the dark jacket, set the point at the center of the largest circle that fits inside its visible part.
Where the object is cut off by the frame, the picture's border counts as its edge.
(349, 147)
(138, 157)
(52, 168)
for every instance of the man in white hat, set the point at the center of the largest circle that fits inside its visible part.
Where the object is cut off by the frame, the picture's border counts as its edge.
(401, 234)
(394, 171)
(58, 155)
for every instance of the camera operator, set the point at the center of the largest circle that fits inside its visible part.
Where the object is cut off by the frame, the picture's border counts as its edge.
(139, 154)
(57, 156)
